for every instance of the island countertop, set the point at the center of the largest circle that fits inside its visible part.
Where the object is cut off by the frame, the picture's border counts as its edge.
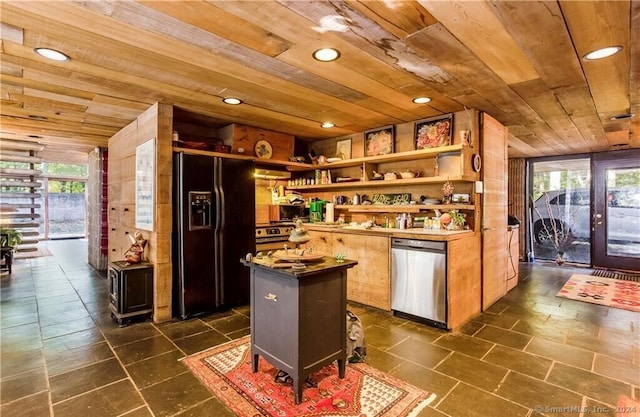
(324, 264)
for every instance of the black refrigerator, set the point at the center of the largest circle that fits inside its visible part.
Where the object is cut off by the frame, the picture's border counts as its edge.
(214, 226)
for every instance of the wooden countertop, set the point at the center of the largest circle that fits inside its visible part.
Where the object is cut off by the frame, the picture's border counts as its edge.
(414, 233)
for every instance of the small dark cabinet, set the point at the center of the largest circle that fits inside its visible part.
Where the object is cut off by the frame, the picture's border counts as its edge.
(130, 291)
(298, 319)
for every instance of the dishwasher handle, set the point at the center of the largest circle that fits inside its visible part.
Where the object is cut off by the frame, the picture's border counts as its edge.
(426, 245)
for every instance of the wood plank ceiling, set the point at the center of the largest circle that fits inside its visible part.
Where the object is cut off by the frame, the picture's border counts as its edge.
(520, 61)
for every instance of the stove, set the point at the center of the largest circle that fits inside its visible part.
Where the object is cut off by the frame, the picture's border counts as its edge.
(273, 236)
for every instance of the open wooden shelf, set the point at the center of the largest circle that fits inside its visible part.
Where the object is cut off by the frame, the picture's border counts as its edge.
(382, 183)
(379, 159)
(402, 208)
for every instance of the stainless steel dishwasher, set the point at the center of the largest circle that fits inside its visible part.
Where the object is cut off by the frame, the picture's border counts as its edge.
(419, 280)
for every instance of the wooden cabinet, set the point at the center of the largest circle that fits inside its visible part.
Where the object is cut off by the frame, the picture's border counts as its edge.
(463, 280)
(246, 137)
(369, 283)
(322, 242)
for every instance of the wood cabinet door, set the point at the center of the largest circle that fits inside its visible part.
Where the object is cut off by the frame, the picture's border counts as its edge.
(494, 211)
(369, 282)
(321, 242)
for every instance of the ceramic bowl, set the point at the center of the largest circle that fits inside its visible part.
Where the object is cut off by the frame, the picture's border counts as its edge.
(390, 176)
(409, 174)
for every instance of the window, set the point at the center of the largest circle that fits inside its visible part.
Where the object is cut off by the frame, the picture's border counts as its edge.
(65, 200)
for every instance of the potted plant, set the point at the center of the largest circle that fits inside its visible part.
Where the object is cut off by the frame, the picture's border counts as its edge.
(458, 220)
(9, 240)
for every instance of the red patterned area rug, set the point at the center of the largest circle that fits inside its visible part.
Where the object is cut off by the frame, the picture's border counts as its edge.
(364, 391)
(604, 291)
(627, 407)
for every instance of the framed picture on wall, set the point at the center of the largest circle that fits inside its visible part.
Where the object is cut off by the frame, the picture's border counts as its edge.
(343, 149)
(145, 184)
(433, 132)
(379, 141)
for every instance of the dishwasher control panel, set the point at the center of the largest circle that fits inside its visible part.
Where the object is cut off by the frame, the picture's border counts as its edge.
(420, 244)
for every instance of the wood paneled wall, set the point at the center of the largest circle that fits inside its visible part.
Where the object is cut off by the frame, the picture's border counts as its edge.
(155, 123)
(517, 198)
(494, 211)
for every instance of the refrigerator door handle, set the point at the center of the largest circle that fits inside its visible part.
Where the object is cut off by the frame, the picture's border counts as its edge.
(217, 189)
(181, 233)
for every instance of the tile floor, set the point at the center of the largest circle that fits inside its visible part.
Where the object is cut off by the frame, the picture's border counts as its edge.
(531, 354)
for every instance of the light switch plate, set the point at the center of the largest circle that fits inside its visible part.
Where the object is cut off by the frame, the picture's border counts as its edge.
(479, 187)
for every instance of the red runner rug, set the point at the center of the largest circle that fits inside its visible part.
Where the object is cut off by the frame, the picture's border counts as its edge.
(364, 391)
(604, 291)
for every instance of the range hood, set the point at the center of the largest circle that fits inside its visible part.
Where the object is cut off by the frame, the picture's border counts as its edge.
(270, 174)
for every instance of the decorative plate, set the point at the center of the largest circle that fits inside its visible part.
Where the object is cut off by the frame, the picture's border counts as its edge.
(263, 149)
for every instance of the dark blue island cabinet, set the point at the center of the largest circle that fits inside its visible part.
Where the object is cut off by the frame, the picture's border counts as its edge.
(298, 318)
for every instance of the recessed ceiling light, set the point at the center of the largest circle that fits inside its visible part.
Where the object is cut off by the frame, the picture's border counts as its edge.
(327, 125)
(623, 116)
(326, 54)
(602, 53)
(51, 54)
(421, 100)
(232, 100)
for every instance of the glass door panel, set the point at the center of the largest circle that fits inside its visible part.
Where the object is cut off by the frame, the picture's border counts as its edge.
(560, 211)
(617, 214)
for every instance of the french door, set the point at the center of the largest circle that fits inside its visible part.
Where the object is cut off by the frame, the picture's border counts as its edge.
(616, 211)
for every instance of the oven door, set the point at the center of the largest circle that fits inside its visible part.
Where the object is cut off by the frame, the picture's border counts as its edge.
(263, 245)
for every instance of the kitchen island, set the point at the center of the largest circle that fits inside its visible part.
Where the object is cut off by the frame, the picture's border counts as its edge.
(298, 317)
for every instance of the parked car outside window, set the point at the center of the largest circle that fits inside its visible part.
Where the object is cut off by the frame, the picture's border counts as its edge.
(574, 215)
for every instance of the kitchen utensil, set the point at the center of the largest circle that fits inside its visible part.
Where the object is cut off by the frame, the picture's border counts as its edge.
(316, 210)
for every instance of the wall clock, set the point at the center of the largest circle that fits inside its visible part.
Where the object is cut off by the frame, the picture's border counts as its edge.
(477, 162)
